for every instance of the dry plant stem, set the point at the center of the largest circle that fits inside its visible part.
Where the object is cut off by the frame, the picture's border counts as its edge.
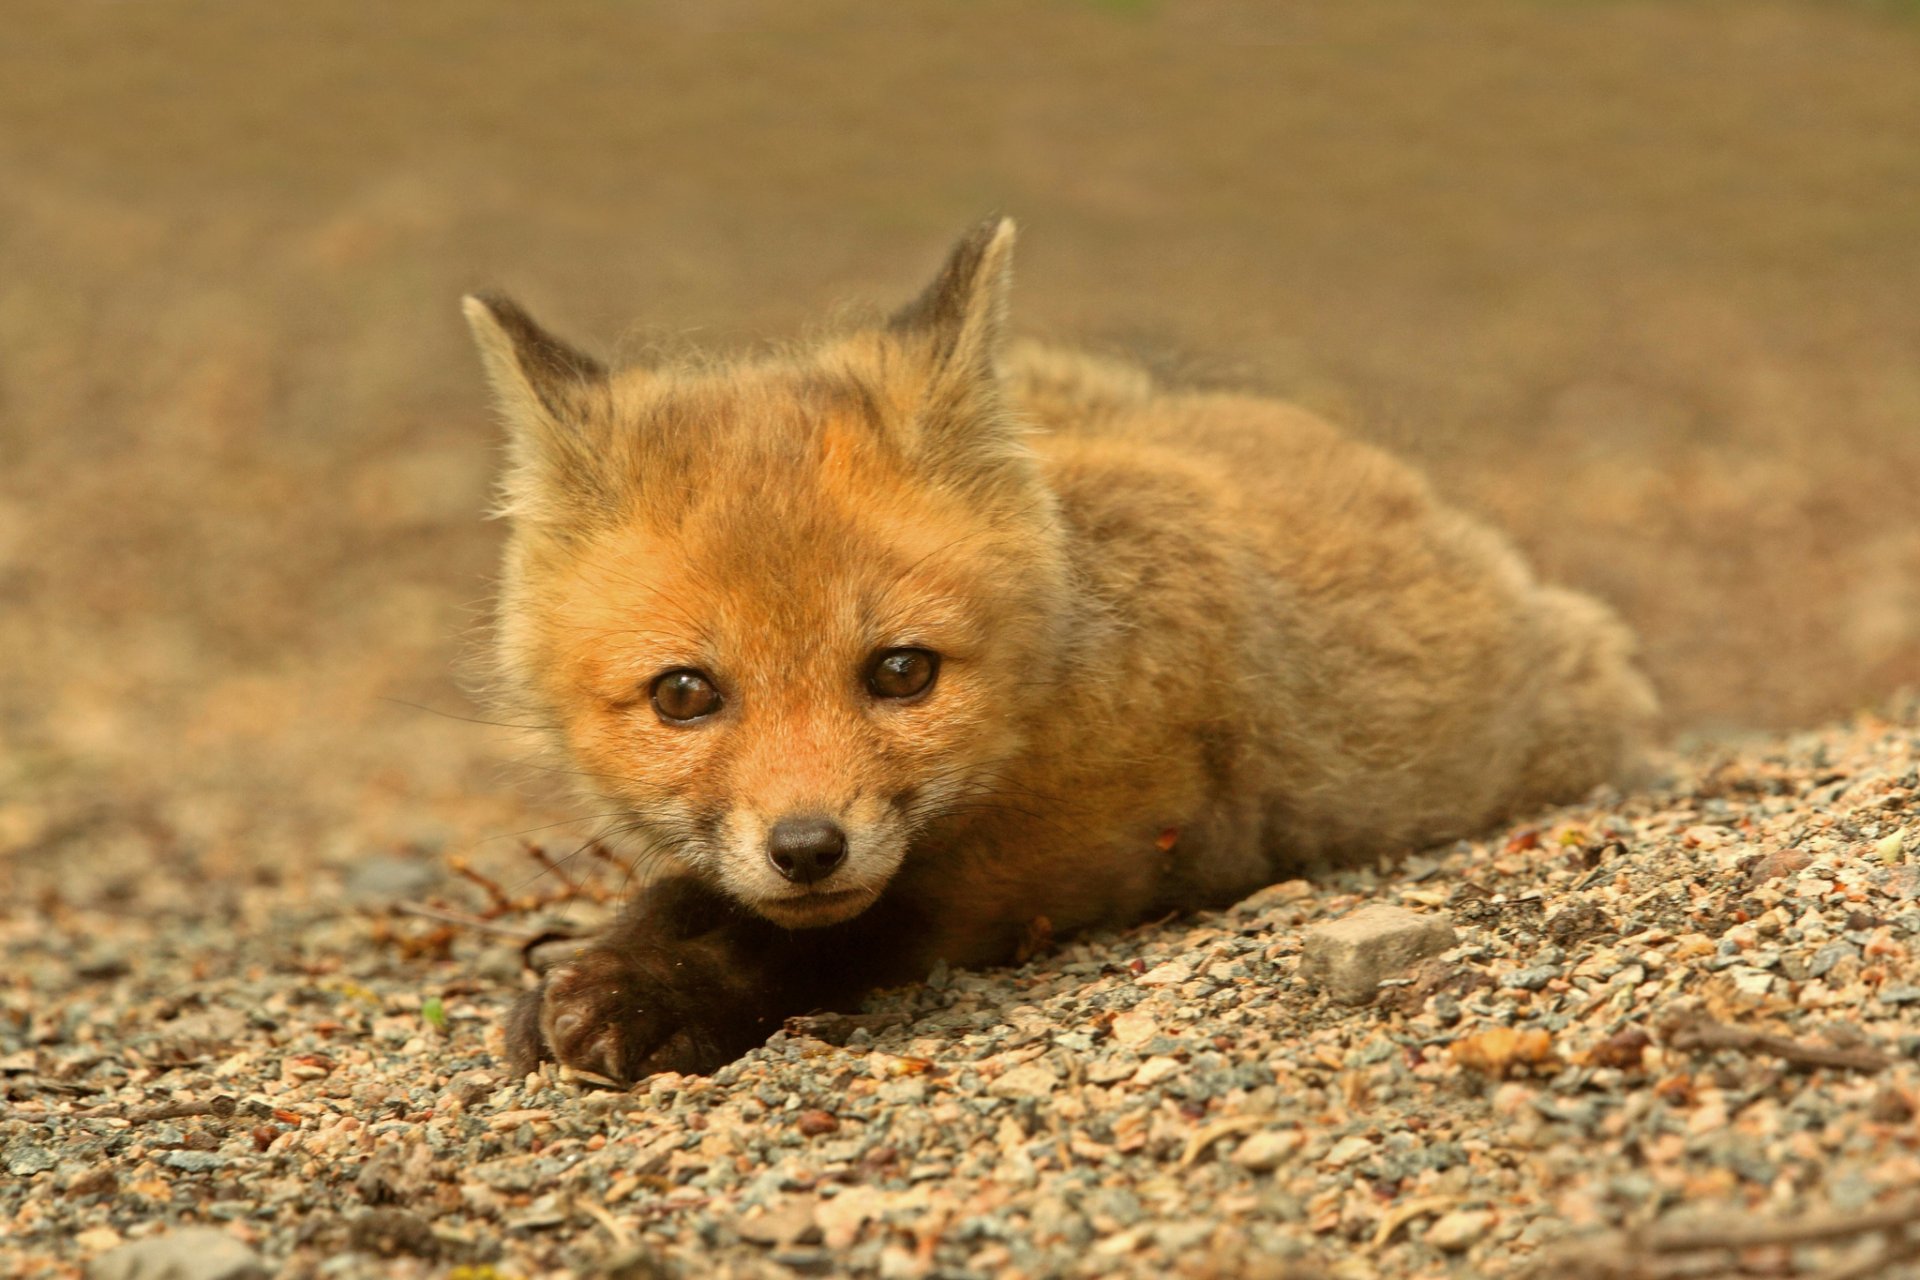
(459, 919)
(547, 863)
(500, 899)
(1703, 1034)
(1658, 1253)
(1745, 1235)
(221, 1106)
(1903, 1249)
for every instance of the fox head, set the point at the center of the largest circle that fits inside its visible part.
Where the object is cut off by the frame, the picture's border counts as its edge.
(783, 615)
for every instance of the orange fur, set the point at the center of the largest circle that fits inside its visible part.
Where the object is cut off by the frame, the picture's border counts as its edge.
(1155, 610)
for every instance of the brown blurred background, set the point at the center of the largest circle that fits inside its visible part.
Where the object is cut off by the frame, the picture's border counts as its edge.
(1641, 282)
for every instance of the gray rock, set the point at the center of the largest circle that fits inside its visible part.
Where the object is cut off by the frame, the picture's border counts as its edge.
(189, 1253)
(194, 1161)
(24, 1159)
(1348, 957)
(1827, 957)
(1533, 979)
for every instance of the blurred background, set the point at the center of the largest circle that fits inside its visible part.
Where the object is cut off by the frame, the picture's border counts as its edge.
(1638, 281)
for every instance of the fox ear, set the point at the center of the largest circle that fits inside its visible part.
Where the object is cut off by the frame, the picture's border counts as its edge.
(554, 400)
(533, 373)
(963, 312)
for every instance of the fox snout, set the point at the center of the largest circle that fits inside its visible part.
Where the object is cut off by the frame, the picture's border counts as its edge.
(806, 848)
(808, 864)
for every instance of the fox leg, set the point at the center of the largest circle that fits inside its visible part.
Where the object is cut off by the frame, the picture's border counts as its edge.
(687, 981)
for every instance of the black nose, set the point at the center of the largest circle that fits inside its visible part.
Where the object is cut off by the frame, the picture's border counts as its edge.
(806, 849)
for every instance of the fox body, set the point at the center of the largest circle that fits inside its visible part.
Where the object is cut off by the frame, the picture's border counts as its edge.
(886, 648)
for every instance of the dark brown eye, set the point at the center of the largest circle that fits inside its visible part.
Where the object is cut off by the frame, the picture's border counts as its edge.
(902, 673)
(685, 695)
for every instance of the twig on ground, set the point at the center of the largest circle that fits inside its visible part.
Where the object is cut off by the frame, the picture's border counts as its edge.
(220, 1106)
(459, 918)
(1703, 1033)
(502, 901)
(1679, 1249)
(1403, 1214)
(547, 863)
(1203, 1139)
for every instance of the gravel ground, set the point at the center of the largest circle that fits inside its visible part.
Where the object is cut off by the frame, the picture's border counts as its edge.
(1693, 1004)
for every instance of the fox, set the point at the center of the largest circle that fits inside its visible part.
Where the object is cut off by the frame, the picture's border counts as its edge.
(888, 648)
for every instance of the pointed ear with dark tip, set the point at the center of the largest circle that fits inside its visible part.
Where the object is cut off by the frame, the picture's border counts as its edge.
(963, 312)
(554, 400)
(532, 371)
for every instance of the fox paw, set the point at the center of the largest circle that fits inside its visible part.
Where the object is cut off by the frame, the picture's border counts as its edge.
(600, 1014)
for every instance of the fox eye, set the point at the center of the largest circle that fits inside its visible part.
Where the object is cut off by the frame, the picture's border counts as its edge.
(685, 695)
(902, 673)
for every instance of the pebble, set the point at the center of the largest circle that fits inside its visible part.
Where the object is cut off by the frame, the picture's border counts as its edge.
(1346, 1151)
(1032, 1080)
(1155, 1070)
(1133, 1028)
(1350, 956)
(1267, 1150)
(1170, 974)
(1460, 1230)
(26, 1159)
(1530, 979)
(1828, 956)
(185, 1253)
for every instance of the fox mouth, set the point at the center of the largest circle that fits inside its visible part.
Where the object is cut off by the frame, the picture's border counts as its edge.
(816, 907)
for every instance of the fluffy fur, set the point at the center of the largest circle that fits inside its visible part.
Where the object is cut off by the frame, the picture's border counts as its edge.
(1189, 643)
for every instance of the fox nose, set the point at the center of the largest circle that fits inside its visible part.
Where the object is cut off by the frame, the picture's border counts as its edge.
(806, 849)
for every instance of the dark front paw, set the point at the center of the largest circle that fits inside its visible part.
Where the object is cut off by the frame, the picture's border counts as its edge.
(602, 1014)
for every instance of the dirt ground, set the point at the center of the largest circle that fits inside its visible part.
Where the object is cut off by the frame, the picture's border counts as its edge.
(1635, 280)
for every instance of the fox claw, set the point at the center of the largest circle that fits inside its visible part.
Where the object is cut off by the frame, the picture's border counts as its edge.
(599, 1015)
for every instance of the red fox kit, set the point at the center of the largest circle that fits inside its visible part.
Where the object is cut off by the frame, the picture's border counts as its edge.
(890, 646)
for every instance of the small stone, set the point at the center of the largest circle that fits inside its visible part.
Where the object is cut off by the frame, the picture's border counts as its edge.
(194, 1161)
(1266, 1151)
(1781, 862)
(1751, 981)
(793, 1222)
(189, 1253)
(814, 1123)
(1827, 957)
(389, 1232)
(1180, 1238)
(1170, 974)
(1029, 1081)
(1458, 1231)
(1349, 957)
(1530, 979)
(97, 1239)
(1575, 923)
(1891, 849)
(1132, 1028)
(24, 1160)
(1346, 1151)
(1154, 1070)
